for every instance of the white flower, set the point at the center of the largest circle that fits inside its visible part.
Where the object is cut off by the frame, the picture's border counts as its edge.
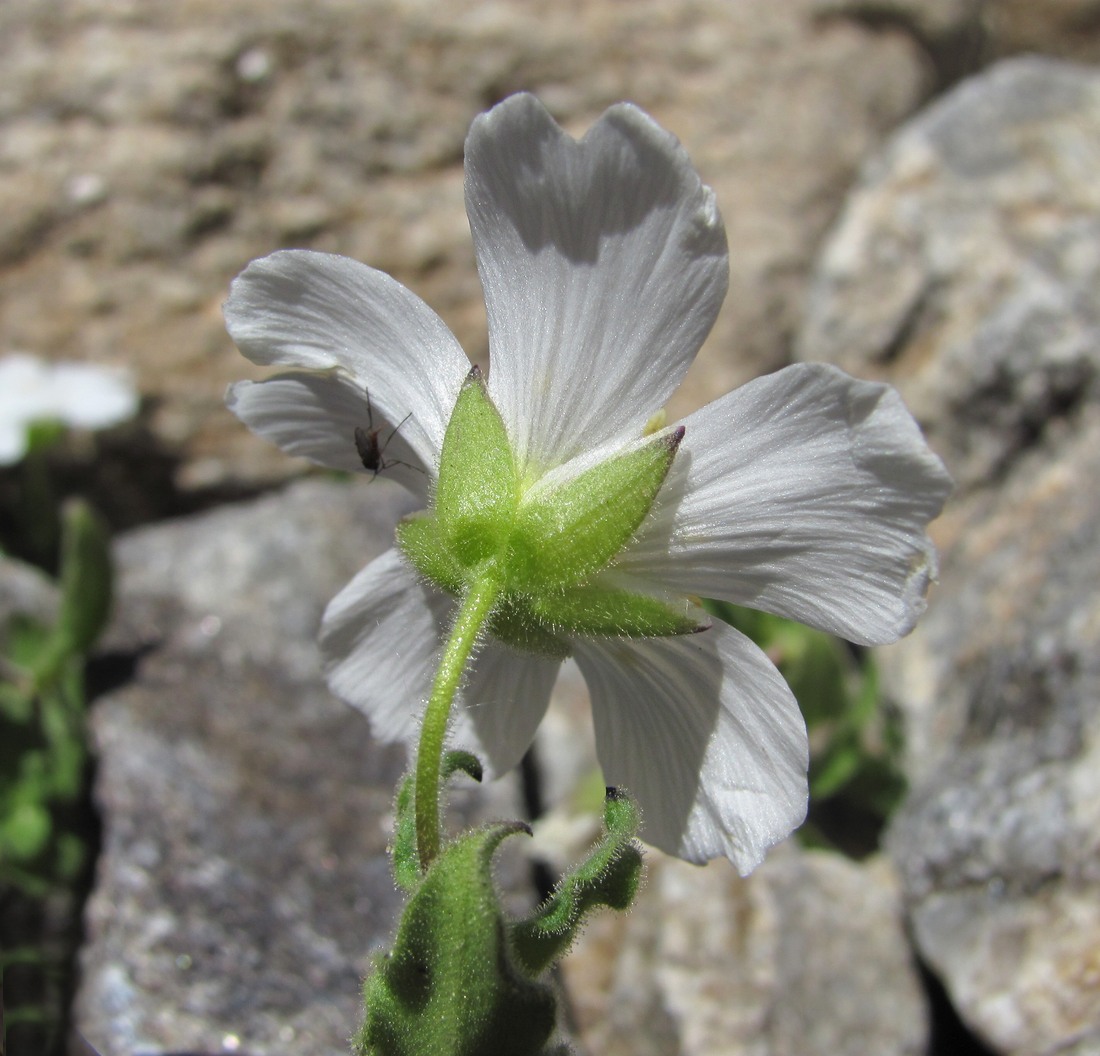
(805, 493)
(79, 395)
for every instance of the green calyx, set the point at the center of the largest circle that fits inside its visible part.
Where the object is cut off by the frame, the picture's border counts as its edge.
(551, 545)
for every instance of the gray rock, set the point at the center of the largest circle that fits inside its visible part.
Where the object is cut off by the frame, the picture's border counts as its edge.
(966, 269)
(1000, 843)
(26, 591)
(243, 885)
(806, 957)
(963, 267)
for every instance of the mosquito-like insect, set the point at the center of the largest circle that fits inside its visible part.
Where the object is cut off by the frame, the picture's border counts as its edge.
(371, 450)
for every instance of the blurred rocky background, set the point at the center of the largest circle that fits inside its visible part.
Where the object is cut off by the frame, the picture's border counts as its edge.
(905, 195)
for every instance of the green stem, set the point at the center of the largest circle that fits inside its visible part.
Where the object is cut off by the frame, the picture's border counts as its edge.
(476, 608)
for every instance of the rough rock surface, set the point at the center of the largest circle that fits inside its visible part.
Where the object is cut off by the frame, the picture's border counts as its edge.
(243, 884)
(807, 956)
(965, 269)
(26, 591)
(150, 150)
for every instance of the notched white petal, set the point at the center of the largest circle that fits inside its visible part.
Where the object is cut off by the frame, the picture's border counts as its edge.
(805, 493)
(707, 736)
(604, 263)
(320, 312)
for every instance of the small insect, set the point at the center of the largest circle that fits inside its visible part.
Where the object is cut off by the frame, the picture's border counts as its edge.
(371, 450)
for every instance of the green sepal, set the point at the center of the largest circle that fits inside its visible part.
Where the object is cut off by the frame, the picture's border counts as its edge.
(592, 610)
(609, 876)
(421, 541)
(449, 987)
(475, 498)
(404, 852)
(516, 625)
(564, 534)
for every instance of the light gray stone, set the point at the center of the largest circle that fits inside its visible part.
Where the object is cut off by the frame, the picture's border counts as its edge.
(963, 267)
(1000, 843)
(27, 591)
(807, 956)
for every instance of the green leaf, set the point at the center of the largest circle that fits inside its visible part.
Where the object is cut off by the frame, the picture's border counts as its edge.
(449, 987)
(514, 623)
(44, 434)
(404, 852)
(86, 576)
(459, 761)
(25, 832)
(16, 703)
(406, 860)
(420, 539)
(86, 589)
(609, 876)
(833, 771)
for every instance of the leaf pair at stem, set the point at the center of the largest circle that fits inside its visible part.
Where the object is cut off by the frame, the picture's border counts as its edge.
(463, 979)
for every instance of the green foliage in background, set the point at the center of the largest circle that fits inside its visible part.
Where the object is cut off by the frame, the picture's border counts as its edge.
(43, 778)
(855, 742)
(43, 753)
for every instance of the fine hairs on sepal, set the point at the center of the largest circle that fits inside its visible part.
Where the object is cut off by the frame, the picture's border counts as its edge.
(463, 979)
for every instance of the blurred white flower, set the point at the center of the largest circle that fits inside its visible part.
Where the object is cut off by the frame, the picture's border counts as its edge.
(77, 395)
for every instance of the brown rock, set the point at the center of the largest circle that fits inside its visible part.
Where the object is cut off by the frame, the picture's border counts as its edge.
(151, 151)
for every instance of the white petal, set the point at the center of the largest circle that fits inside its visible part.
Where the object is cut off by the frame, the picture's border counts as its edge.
(503, 703)
(805, 493)
(380, 639)
(90, 396)
(315, 416)
(604, 263)
(322, 312)
(83, 395)
(702, 730)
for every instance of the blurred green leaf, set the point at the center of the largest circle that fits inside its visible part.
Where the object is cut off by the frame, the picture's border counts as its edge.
(16, 704)
(25, 832)
(85, 576)
(44, 434)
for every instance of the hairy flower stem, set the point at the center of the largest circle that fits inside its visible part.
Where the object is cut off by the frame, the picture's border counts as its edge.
(476, 608)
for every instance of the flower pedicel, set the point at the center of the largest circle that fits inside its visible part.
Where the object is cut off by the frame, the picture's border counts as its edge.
(558, 515)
